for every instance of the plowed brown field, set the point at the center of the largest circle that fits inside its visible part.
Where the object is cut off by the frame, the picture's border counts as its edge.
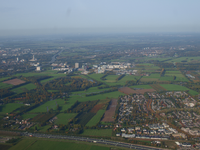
(14, 81)
(110, 113)
(127, 90)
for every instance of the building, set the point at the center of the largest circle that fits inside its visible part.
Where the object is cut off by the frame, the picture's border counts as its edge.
(33, 59)
(38, 68)
(76, 65)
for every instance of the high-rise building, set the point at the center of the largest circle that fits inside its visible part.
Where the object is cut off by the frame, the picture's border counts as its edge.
(76, 65)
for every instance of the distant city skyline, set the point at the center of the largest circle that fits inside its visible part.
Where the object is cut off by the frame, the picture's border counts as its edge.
(86, 16)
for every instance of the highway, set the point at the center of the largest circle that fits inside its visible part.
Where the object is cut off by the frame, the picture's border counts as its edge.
(92, 140)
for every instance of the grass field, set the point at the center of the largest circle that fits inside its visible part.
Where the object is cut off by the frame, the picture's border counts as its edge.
(173, 87)
(64, 118)
(96, 118)
(81, 98)
(96, 132)
(96, 76)
(111, 78)
(5, 85)
(90, 90)
(8, 108)
(26, 116)
(42, 144)
(50, 104)
(24, 88)
(141, 86)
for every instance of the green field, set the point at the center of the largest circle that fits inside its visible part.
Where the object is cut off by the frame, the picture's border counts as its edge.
(26, 116)
(96, 118)
(42, 144)
(111, 78)
(24, 88)
(5, 85)
(96, 76)
(64, 118)
(81, 98)
(8, 108)
(49, 104)
(96, 132)
(174, 87)
(141, 86)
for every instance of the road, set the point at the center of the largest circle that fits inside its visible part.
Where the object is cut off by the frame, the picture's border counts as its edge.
(92, 140)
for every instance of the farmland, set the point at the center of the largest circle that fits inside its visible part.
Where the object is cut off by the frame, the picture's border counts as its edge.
(48, 105)
(96, 132)
(64, 118)
(8, 108)
(96, 118)
(24, 88)
(43, 144)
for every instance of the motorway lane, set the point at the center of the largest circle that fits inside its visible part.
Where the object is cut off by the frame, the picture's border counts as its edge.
(100, 141)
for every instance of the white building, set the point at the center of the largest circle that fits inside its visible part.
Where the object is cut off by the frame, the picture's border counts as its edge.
(76, 65)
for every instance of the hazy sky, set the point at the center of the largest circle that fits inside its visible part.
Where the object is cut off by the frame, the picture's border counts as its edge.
(68, 16)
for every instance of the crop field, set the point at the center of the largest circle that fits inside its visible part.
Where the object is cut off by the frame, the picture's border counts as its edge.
(174, 87)
(127, 90)
(24, 88)
(109, 114)
(8, 108)
(96, 118)
(85, 117)
(4, 85)
(14, 81)
(43, 144)
(48, 105)
(26, 116)
(96, 132)
(63, 118)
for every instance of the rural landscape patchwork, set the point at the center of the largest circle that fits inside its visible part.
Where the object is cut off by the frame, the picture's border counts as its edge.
(111, 92)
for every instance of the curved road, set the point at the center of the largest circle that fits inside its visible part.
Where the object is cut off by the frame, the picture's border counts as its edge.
(93, 140)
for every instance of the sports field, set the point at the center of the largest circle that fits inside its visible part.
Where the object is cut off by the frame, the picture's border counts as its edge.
(96, 132)
(96, 118)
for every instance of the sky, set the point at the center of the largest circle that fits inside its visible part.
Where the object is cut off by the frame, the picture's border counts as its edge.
(31, 17)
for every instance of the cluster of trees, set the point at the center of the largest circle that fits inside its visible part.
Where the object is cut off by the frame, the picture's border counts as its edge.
(162, 73)
(76, 84)
(82, 106)
(102, 92)
(120, 77)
